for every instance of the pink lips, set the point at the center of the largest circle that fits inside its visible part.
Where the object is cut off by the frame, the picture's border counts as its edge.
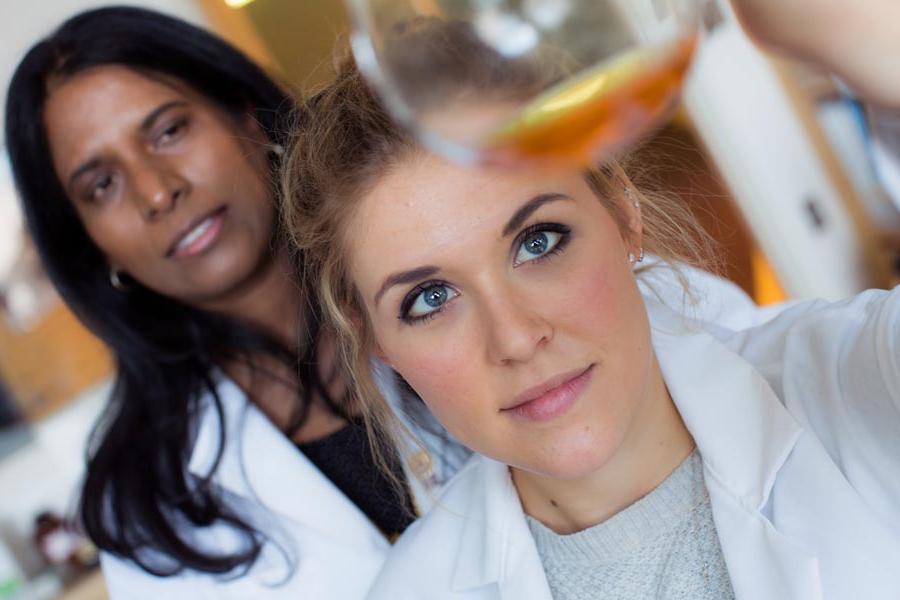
(552, 398)
(199, 236)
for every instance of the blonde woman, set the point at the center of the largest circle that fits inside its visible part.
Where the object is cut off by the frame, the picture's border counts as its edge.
(615, 458)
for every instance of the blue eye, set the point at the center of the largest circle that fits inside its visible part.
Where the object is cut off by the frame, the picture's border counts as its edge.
(536, 244)
(425, 300)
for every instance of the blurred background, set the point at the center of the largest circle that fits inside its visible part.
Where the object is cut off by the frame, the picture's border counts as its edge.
(769, 154)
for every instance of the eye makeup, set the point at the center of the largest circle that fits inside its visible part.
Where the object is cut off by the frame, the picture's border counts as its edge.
(563, 237)
(558, 240)
(410, 299)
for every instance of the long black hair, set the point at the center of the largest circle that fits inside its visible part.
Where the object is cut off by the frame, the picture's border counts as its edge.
(138, 499)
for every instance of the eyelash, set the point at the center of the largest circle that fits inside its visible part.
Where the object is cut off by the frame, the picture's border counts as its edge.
(564, 238)
(410, 298)
(176, 128)
(91, 193)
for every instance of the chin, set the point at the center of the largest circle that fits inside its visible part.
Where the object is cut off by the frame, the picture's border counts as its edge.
(228, 271)
(574, 458)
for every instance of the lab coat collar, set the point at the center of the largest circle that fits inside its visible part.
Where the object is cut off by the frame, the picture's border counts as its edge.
(740, 426)
(745, 435)
(261, 465)
(497, 545)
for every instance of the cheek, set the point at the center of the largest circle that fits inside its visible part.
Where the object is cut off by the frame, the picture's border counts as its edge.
(601, 313)
(441, 369)
(220, 165)
(119, 234)
(595, 294)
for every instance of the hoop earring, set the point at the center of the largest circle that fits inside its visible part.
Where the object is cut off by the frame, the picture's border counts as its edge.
(115, 280)
(636, 259)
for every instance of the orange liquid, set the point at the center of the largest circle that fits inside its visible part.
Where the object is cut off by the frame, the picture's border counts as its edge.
(595, 113)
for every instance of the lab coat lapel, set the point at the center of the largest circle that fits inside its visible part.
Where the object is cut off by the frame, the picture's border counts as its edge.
(496, 557)
(762, 563)
(260, 464)
(745, 435)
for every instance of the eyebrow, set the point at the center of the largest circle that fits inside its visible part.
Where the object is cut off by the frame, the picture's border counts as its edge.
(405, 277)
(88, 166)
(527, 209)
(145, 125)
(150, 119)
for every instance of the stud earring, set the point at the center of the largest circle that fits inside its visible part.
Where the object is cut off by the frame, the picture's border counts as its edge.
(629, 193)
(276, 149)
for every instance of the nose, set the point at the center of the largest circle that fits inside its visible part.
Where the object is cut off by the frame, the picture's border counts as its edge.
(158, 189)
(516, 328)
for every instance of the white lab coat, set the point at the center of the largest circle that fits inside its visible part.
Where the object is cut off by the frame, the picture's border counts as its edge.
(798, 425)
(332, 546)
(335, 550)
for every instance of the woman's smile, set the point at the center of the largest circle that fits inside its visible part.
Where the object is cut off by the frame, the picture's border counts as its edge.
(199, 235)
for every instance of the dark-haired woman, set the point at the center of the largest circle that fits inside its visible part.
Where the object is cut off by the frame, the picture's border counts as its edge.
(143, 149)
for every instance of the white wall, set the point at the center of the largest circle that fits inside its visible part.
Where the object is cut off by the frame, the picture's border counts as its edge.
(10, 220)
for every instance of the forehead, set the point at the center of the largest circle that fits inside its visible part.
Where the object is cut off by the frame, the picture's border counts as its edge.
(426, 206)
(425, 194)
(96, 107)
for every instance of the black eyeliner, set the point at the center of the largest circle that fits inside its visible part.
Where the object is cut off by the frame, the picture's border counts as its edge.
(411, 296)
(563, 230)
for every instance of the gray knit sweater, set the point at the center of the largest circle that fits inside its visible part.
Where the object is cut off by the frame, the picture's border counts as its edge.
(662, 546)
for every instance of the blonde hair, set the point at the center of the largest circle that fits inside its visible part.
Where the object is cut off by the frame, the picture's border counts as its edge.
(343, 144)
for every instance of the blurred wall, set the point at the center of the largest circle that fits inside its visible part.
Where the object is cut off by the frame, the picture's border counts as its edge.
(300, 35)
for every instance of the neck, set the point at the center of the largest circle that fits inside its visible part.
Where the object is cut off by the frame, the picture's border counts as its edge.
(657, 443)
(271, 302)
(268, 300)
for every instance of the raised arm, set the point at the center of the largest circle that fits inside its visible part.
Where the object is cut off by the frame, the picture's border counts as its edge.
(858, 40)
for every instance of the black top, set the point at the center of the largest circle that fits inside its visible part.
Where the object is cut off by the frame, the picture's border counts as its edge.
(346, 459)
